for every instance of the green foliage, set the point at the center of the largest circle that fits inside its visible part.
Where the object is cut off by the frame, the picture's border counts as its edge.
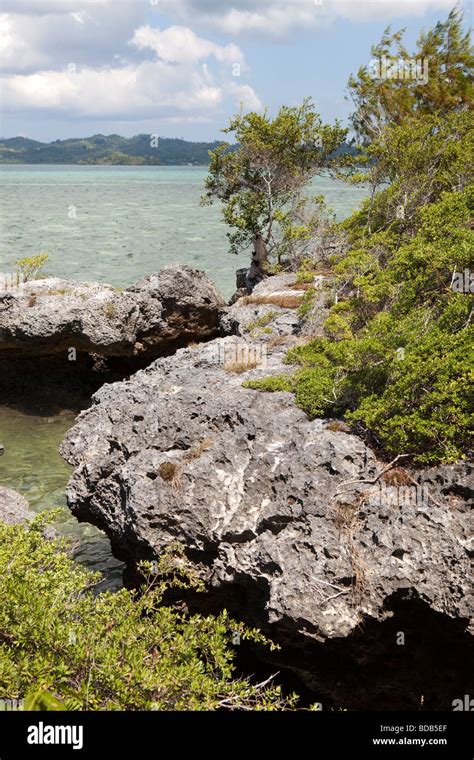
(271, 384)
(307, 301)
(260, 183)
(31, 265)
(416, 400)
(396, 357)
(260, 322)
(63, 645)
(110, 309)
(381, 101)
(305, 272)
(411, 165)
(42, 700)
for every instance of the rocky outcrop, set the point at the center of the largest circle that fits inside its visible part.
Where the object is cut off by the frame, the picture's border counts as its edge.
(14, 508)
(61, 340)
(293, 524)
(44, 317)
(278, 299)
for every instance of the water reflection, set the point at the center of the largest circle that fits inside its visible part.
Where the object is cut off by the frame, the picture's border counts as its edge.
(32, 466)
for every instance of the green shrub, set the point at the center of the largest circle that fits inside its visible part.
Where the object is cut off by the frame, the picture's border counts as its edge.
(261, 321)
(395, 362)
(63, 643)
(306, 302)
(272, 384)
(31, 265)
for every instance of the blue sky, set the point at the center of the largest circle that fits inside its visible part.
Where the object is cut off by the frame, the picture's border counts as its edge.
(72, 68)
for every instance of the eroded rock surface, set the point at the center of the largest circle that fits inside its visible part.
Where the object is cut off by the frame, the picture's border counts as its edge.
(14, 508)
(44, 317)
(265, 503)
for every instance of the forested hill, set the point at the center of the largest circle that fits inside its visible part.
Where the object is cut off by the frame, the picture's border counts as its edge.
(142, 150)
(106, 149)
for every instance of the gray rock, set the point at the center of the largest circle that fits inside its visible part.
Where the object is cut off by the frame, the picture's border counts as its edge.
(248, 315)
(265, 503)
(44, 317)
(14, 508)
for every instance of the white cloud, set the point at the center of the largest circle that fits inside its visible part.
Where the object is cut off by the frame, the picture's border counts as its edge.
(190, 76)
(180, 44)
(128, 69)
(280, 17)
(15, 51)
(85, 32)
(245, 95)
(274, 17)
(135, 90)
(81, 17)
(387, 9)
(44, 7)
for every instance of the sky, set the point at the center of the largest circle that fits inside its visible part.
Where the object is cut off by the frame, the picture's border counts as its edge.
(181, 68)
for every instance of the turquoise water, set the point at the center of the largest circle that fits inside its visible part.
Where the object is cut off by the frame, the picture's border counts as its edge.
(32, 466)
(108, 224)
(117, 223)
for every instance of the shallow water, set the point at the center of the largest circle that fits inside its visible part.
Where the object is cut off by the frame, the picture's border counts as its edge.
(109, 224)
(33, 466)
(118, 223)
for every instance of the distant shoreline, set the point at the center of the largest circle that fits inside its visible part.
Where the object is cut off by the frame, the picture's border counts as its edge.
(108, 150)
(128, 166)
(111, 150)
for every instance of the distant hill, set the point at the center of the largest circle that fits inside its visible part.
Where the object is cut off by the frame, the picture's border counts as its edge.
(106, 149)
(110, 149)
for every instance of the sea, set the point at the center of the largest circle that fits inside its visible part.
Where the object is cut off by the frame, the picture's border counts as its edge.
(108, 224)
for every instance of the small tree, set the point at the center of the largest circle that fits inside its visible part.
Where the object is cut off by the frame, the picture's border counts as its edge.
(436, 78)
(31, 265)
(411, 165)
(265, 175)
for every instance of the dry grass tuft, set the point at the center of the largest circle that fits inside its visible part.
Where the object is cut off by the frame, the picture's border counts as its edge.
(199, 449)
(337, 426)
(346, 518)
(279, 340)
(302, 286)
(360, 583)
(343, 513)
(239, 367)
(283, 301)
(397, 477)
(170, 472)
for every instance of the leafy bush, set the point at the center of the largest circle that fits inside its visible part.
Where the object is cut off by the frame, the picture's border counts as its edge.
(271, 384)
(395, 359)
(31, 265)
(61, 643)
